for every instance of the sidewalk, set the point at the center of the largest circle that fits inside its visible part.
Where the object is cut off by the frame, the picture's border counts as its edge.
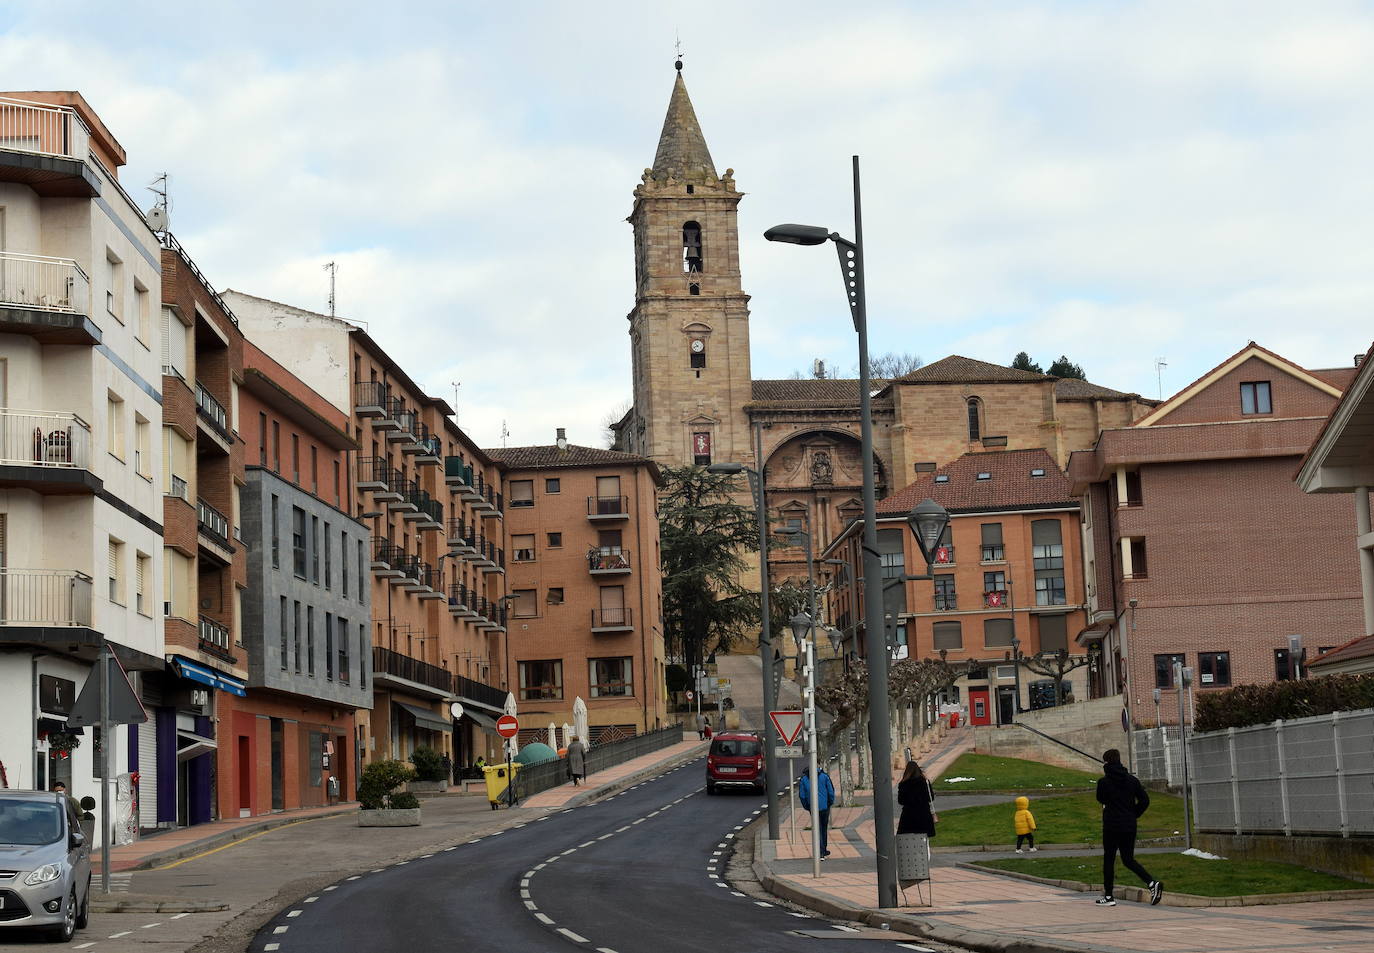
(985, 911)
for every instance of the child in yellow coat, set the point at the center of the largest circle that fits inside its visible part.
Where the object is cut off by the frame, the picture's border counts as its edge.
(1024, 821)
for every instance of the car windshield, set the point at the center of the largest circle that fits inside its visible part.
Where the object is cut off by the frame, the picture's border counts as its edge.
(735, 748)
(29, 823)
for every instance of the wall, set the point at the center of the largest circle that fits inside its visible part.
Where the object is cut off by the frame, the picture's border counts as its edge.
(1092, 727)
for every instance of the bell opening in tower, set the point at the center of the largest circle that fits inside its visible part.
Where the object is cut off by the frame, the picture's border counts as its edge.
(691, 247)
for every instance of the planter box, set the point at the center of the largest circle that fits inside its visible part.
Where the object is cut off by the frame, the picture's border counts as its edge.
(409, 817)
(427, 787)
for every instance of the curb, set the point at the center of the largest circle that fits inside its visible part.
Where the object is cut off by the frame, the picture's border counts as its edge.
(629, 781)
(228, 837)
(1004, 849)
(136, 904)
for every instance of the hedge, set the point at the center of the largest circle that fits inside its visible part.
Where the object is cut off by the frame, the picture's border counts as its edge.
(1247, 705)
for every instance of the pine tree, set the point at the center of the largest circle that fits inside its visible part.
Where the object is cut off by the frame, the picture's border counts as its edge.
(1022, 362)
(1066, 368)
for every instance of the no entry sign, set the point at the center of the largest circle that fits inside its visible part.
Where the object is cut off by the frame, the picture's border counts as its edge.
(507, 726)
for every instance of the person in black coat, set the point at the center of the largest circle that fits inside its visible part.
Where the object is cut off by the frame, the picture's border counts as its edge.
(915, 795)
(1123, 800)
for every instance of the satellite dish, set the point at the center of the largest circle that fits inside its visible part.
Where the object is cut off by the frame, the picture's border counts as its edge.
(157, 218)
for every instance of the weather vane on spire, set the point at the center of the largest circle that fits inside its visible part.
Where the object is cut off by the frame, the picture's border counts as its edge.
(677, 45)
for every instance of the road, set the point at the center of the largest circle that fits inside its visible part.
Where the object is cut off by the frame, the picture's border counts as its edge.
(640, 872)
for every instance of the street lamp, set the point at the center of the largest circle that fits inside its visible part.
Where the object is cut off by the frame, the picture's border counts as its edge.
(770, 761)
(1016, 671)
(879, 727)
(802, 625)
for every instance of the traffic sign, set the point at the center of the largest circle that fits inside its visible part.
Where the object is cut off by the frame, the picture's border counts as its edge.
(787, 751)
(690, 695)
(507, 726)
(788, 724)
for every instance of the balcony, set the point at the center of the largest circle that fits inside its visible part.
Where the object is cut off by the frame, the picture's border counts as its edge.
(394, 669)
(213, 527)
(215, 640)
(490, 558)
(46, 451)
(369, 399)
(401, 493)
(384, 552)
(432, 515)
(457, 474)
(47, 148)
(612, 620)
(483, 496)
(608, 562)
(608, 508)
(402, 420)
(431, 582)
(395, 483)
(46, 298)
(409, 580)
(179, 489)
(460, 600)
(211, 413)
(425, 445)
(419, 507)
(373, 474)
(944, 556)
(43, 598)
(468, 689)
(995, 599)
(493, 503)
(946, 604)
(461, 540)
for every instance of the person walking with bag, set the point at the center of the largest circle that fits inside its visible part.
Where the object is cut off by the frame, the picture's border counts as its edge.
(577, 760)
(825, 798)
(916, 797)
(1123, 800)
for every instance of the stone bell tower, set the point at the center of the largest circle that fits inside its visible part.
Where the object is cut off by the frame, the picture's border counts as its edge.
(689, 330)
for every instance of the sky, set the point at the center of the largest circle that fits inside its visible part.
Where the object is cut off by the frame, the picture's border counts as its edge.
(1117, 182)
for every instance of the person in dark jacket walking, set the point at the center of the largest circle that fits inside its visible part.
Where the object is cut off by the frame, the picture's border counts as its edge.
(916, 797)
(577, 760)
(1123, 800)
(825, 799)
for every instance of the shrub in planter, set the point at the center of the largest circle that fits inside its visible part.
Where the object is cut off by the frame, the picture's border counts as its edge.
(429, 764)
(379, 780)
(405, 801)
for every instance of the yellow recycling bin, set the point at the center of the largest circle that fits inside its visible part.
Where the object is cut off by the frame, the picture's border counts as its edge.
(498, 779)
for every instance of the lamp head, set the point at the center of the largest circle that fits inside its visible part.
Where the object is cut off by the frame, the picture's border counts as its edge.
(928, 522)
(800, 624)
(836, 639)
(725, 468)
(798, 234)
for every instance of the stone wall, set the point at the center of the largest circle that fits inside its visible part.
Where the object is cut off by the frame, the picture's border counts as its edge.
(1092, 726)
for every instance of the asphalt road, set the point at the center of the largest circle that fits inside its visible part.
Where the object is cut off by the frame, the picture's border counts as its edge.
(641, 872)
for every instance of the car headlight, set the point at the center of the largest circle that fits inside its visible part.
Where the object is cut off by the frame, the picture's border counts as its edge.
(43, 874)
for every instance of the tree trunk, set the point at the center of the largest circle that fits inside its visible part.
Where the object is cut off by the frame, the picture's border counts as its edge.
(865, 775)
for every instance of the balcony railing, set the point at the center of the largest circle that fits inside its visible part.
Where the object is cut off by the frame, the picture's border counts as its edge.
(460, 598)
(211, 411)
(43, 129)
(608, 507)
(179, 489)
(41, 283)
(456, 472)
(612, 618)
(608, 562)
(387, 662)
(369, 398)
(373, 473)
(213, 523)
(215, 639)
(946, 603)
(31, 438)
(44, 597)
(995, 598)
(479, 692)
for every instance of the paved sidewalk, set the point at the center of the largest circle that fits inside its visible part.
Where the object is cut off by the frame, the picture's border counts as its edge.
(620, 776)
(985, 911)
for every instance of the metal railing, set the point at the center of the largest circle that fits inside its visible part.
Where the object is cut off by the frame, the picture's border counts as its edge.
(44, 439)
(458, 595)
(387, 662)
(606, 618)
(215, 638)
(213, 523)
(44, 597)
(179, 489)
(384, 550)
(44, 283)
(477, 691)
(369, 394)
(211, 411)
(169, 241)
(608, 506)
(373, 470)
(616, 560)
(43, 129)
(456, 469)
(544, 775)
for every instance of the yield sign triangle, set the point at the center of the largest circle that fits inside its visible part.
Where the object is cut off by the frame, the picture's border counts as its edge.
(789, 725)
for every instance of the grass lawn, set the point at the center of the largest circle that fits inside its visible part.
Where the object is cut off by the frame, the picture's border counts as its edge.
(1183, 874)
(991, 773)
(1064, 819)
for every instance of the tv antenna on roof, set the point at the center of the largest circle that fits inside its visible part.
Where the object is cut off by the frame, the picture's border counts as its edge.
(1160, 364)
(158, 216)
(505, 433)
(332, 268)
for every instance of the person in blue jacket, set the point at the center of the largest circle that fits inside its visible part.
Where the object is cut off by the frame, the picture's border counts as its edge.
(820, 815)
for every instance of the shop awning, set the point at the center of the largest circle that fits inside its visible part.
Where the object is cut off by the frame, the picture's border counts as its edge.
(481, 721)
(191, 745)
(424, 718)
(196, 672)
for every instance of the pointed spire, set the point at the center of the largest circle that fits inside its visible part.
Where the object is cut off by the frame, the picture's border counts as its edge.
(682, 151)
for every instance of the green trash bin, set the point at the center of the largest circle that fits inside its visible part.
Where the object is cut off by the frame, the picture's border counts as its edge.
(498, 778)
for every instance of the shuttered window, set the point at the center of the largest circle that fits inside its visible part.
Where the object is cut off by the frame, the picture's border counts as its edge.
(997, 633)
(949, 635)
(116, 575)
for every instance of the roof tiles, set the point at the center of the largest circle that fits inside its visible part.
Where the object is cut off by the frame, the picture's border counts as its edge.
(1009, 484)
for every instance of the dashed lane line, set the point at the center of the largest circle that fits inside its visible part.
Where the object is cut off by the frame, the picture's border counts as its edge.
(116, 936)
(571, 935)
(281, 929)
(544, 918)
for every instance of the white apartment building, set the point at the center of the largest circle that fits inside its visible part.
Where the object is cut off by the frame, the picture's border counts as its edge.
(80, 434)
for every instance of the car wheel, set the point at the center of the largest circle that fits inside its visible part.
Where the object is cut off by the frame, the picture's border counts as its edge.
(83, 916)
(64, 932)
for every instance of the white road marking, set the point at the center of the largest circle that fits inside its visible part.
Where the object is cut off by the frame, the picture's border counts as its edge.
(551, 859)
(280, 929)
(82, 946)
(272, 946)
(378, 870)
(570, 850)
(334, 887)
(714, 876)
(846, 929)
(180, 915)
(640, 821)
(401, 863)
(805, 917)
(447, 849)
(604, 949)
(762, 903)
(913, 946)
(544, 918)
(518, 826)
(571, 935)
(656, 813)
(475, 840)
(736, 893)
(604, 836)
(524, 894)
(149, 926)
(538, 866)
(526, 881)
(423, 856)
(355, 877)
(116, 936)
(588, 844)
(294, 913)
(530, 905)
(720, 884)
(621, 830)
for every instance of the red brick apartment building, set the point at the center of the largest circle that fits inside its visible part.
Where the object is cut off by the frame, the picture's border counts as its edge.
(1198, 545)
(1009, 567)
(586, 590)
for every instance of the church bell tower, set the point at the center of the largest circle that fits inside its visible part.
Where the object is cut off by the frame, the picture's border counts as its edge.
(689, 330)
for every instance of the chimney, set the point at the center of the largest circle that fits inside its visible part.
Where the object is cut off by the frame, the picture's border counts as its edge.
(1359, 359)
(562, 440)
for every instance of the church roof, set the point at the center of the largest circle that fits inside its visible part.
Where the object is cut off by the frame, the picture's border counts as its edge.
(1069, 388)
(956, 369)
(552, 456)
(844, 391)
(1009, 485)
(682, 151)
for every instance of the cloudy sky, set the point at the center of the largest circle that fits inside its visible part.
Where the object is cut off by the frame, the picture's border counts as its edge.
(1118, 182)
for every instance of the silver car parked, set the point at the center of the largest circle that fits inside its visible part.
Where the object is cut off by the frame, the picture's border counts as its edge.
(45, 864)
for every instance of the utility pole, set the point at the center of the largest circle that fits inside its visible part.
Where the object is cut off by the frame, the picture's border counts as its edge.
(332, 268)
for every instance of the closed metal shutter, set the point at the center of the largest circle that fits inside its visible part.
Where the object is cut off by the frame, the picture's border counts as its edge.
(147, 774)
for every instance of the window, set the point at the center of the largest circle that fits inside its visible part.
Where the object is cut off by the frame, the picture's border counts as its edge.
(329, 646)
(701, 448)
(555, 597)
(276, 446)
(314, 470)
(1137, 567)
(993, 550)
(298, 541)
(315, 550)
(942, 478)
(142, 452)
(114, 286)
(555, 540)
(1214, 668)
(276, 533)
(891, 554)
(362, 575)
(521, 493)
(328, 559)
(1047, 549)
(116, 571)
(949, 635)
(997, 633)
(337, 485)
(613, 610)
(362, 656)
(285, 634)
(345, 674)
(541, 680)
(522, 547)
(691, 247)
(945, 598)
(1133, 494)
(142, 602)
(143, 313)
(1283, 668)
(310, 640)
(1054, 633)
(296, 459)
(995, 581)
(984, 476)
(297, 640)
(1254, 398)
(1007, 672)
(611, 677)
(1037, 472)
(552, 485)
(1164, 669)
(114, 421)
(262, 439)
(343, 565)
(974, 424)
(608, 541)
(525, 605)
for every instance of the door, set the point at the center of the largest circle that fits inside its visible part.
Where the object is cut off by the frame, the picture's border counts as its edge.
(278, 793)
(147, 775)
(613, 605)
(1006, 705)
(245, 772)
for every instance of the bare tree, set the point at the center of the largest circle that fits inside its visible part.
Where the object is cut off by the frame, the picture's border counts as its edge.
(891, 365)
(1055, 665)
(612, 418)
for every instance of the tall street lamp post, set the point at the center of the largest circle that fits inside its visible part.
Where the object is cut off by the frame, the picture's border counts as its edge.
(879, 734)
(804, 632)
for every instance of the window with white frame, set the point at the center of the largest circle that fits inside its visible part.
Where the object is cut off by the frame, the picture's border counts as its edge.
(611, 677)
(143, 313)
(143, 600)
(114, 286)
(142, 447)
(114, 425)
(115, 571)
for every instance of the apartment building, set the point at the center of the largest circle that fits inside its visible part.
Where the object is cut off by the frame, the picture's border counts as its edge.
(586, 591)
(81, 491)
(204, 555)
(293, 741)
(436, 564)
(1199, 547)
(1008, 578)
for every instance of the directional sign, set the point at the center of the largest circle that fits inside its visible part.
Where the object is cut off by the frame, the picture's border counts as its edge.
(787, 751)
(507, 726)
(788, 724)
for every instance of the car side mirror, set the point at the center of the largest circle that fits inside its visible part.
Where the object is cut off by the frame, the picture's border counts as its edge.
(77, 840)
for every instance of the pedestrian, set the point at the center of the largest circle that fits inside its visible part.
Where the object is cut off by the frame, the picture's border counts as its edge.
(479, 764)
(577, 760)
(706, 727)
(701, 726)
(825, 798)
(1123, 800)
(447, 763)
(917, 799)
(1024, 822)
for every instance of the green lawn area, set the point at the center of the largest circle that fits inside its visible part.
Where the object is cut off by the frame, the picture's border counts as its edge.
(991, 773)
(1062, 819)
(1183, 874)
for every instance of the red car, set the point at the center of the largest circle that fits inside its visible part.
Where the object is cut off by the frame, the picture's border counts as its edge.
(735, 760)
